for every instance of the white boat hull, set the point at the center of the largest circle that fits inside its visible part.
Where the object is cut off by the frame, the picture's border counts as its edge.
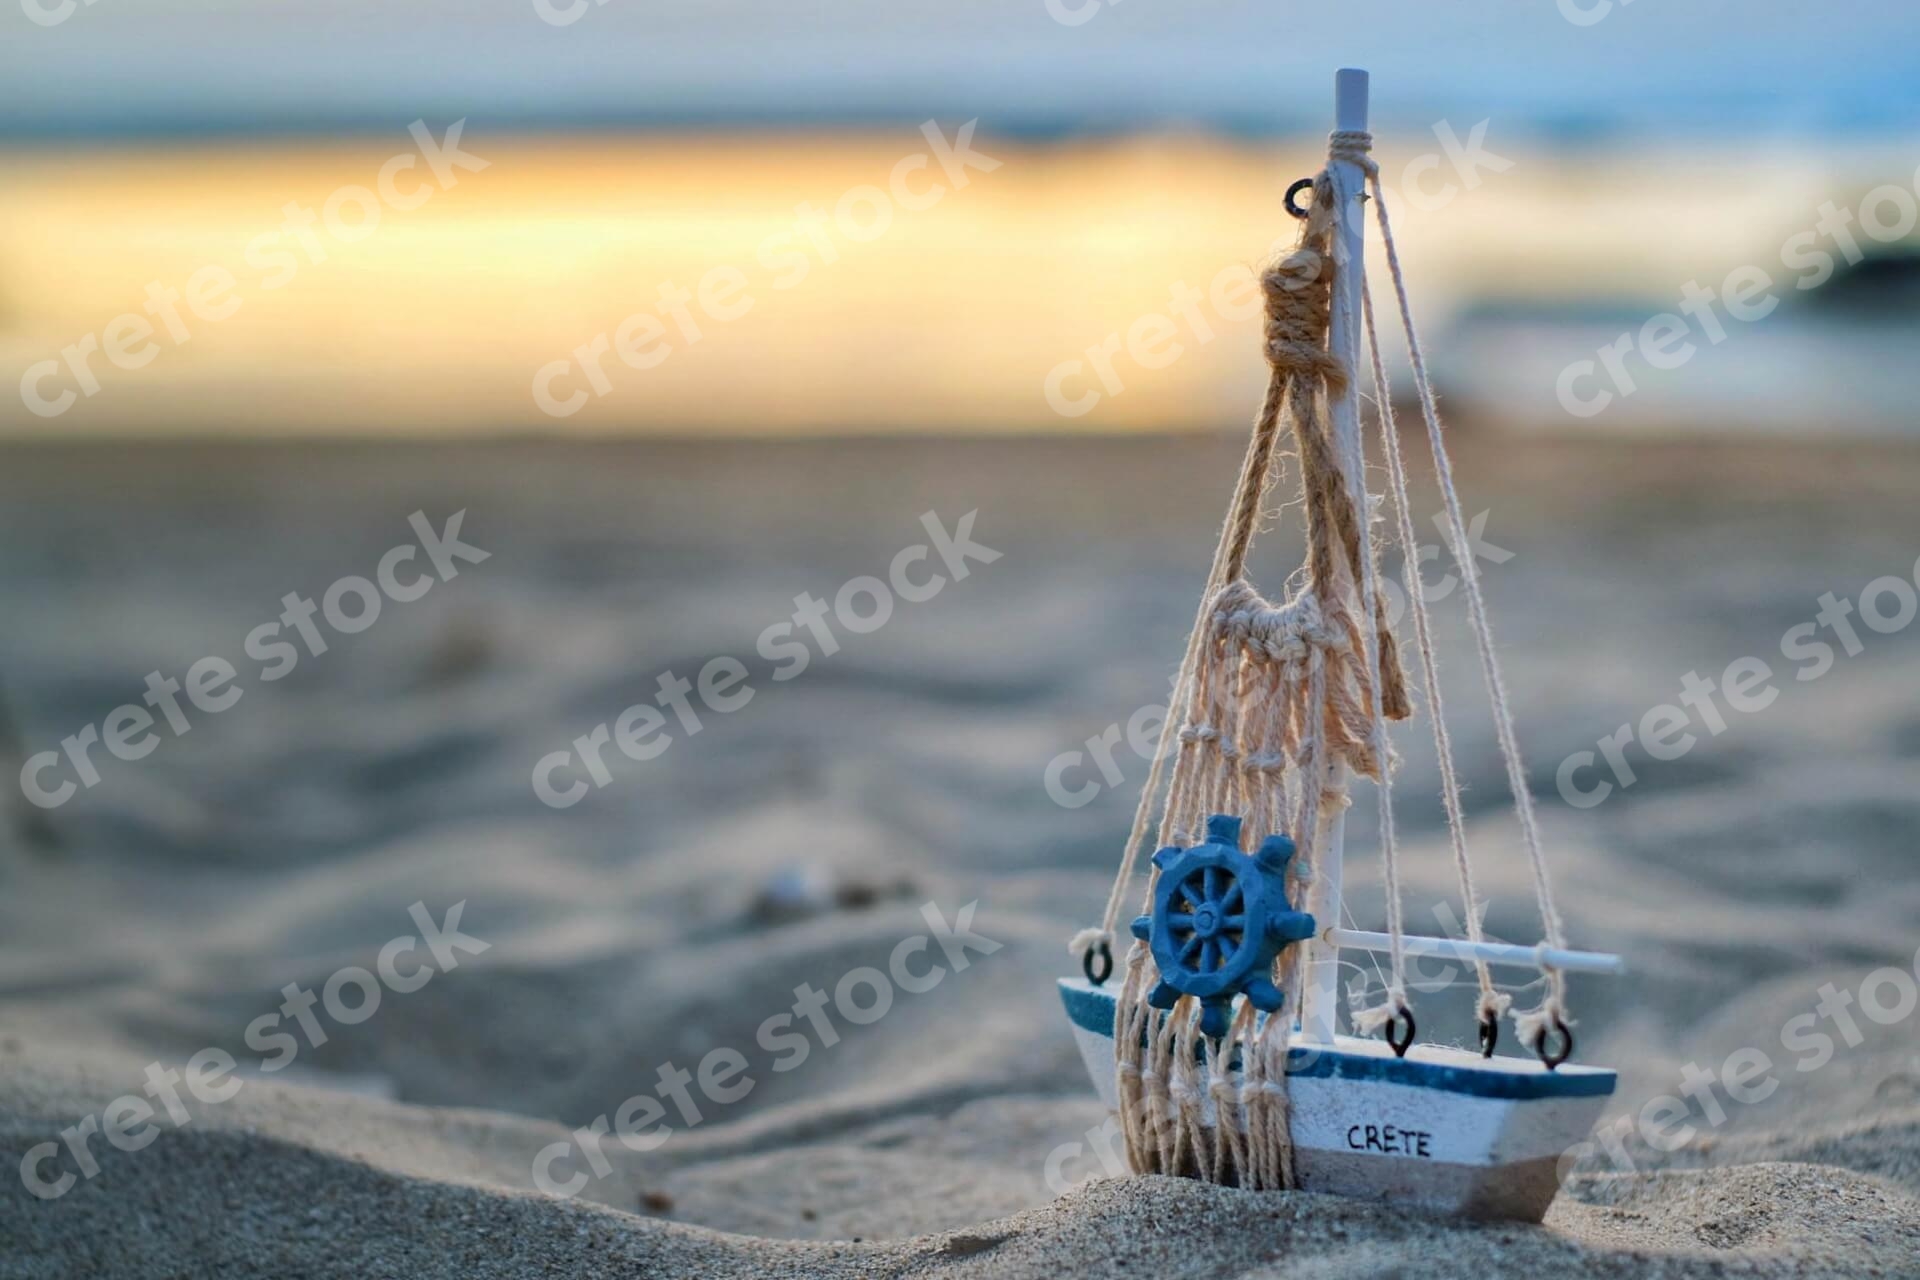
(1443, 1129)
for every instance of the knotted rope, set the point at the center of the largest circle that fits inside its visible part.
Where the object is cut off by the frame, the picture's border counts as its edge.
(1271, 700)
(1298, 292)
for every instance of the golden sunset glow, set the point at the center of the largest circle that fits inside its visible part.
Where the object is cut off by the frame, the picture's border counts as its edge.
(949, 317)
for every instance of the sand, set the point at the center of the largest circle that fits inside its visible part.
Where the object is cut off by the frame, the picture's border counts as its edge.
(674, 910)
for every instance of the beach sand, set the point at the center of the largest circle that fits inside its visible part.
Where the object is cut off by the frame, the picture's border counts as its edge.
(671, 912)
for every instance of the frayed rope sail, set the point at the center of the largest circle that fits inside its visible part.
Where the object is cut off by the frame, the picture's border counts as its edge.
(1274, 702)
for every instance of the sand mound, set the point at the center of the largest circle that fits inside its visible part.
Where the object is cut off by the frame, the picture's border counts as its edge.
(796, 840)
(315, 1183)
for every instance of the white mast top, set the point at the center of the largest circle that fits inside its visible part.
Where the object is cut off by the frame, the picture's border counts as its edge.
(1350, 99)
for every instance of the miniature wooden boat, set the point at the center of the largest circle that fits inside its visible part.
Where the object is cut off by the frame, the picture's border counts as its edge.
(1441, 1128)
(1217, 1045)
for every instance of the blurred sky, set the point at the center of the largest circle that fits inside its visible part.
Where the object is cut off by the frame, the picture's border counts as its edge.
(641, 145)
(172, 66)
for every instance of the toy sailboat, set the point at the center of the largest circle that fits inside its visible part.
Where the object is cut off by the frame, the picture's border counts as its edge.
(1216, 1041)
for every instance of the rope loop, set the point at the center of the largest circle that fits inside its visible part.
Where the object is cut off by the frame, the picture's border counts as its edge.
(1355, 147)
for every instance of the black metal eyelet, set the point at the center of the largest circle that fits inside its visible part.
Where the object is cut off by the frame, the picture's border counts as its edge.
(1401, 1017)
(1553, 1060)
(1305, 184)
(1105, 954)
(1489, 1035)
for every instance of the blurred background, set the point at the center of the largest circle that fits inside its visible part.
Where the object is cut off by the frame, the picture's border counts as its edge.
(694, 307)
(1573, 165)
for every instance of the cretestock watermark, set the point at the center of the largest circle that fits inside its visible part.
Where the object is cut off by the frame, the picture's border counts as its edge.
(1152, 341)
(43, 14)
(861, 215)
(349, 215)
(1665, 732)
(1585, 15)
(1665, 342)
(563, 14)
(1746, 1076)
(1141, 732)
(862, 605)
(131, 1123)
(862, 997)
(1109, 1151)
(349, 606)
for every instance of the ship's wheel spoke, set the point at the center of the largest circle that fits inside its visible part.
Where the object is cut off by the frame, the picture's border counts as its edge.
(1179, 920)
(1193, 946)
(1212, 882)
(1236, 899)
(1236, 922)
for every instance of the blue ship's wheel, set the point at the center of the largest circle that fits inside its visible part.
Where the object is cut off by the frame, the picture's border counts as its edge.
(1208, 922)
(1218, 919)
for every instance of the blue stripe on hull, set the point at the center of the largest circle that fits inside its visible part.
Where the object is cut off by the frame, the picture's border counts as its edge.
(1091, 1008)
